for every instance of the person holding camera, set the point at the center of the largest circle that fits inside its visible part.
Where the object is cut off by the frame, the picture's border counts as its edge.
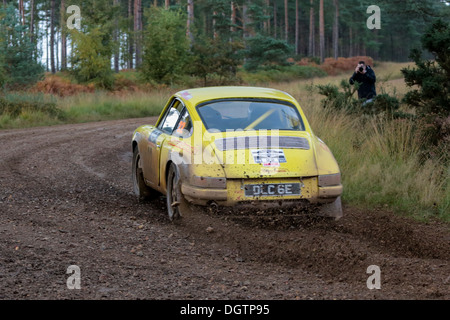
(365, 76)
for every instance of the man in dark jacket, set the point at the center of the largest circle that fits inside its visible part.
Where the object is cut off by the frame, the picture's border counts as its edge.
(365, 76)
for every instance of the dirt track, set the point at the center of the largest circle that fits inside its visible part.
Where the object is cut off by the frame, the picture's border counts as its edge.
(66, 199)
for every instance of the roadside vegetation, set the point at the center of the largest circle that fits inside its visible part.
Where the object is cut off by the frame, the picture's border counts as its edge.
(383, 161)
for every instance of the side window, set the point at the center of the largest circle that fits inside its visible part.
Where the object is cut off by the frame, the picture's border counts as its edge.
(185, 127)
(171, 117)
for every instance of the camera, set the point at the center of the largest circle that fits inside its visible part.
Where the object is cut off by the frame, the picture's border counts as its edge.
(361, 69)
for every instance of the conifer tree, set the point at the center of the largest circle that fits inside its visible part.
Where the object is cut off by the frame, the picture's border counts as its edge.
(431, 99)
(19, 63)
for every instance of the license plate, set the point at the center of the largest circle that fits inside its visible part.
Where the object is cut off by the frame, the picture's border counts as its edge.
(272, 189)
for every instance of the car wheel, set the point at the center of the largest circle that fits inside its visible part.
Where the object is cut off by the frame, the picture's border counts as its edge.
(332, 210)
(141, 190)
(177, 206)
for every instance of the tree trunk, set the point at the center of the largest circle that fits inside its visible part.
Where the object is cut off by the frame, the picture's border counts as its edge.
(190, 20)
(321, 32)
(246, 21)
(336, 29)
(57, 51)
(63, 36)
(46, 48)
(130, 35)
(312, 34)
(275, 22)
(266, 23)
(116, 40)
(233, 17)
(22, 12)
(214, 25)
(32, 7)
(137, 31)
(392, 47)
(350, 41)
(297, 27)
(167, 4)
(286, 21)
(52, 37)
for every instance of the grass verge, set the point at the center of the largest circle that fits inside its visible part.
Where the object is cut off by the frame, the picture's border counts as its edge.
(85, 107)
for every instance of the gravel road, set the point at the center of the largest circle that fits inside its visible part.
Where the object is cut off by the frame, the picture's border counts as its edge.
(66, 199)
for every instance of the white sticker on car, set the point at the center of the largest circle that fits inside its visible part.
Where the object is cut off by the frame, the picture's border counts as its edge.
(269, 157)
(186, 95)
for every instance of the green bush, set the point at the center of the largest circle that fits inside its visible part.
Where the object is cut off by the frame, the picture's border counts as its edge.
(18, 63)
(266, 51)
(166, 47)
(93, 44)
(91, 59)
(340, 100)
(431, 99)
(345, 100)
(382, 103)
(216, 60)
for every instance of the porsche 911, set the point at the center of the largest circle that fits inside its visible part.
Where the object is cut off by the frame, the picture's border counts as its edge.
(235, 147)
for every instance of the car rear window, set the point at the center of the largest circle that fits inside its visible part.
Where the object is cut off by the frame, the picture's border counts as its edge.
(223, 115)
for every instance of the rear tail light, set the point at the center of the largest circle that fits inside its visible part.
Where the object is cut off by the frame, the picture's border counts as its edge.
(329, 180)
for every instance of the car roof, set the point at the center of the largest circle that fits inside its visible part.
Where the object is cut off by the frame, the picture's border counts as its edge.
(198, 95)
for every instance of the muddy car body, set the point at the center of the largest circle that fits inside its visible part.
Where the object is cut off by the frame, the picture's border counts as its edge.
(232, 147)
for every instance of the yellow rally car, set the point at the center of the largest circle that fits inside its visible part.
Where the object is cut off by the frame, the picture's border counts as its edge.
(238, 147)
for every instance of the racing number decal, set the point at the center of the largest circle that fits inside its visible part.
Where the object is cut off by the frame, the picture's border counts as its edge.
(181, 126)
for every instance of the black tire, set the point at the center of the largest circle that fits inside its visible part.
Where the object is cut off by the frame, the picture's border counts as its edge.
(177, 206)
(141, 190)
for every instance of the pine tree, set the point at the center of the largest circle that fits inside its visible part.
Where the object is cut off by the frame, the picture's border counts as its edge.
(190, 19)
(321, 32)
(432, 77)
(19, 66)
(286, 21)
(52, 37)
(312, 26)
(266, 52)
(93, 45)
(166, 49)
(336, 29)
(138, 31)
(63, 36)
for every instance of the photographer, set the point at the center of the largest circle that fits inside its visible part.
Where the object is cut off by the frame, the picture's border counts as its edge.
(365, 76)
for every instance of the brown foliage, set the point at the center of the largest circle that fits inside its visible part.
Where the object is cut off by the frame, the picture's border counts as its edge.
(333, 67)
(124, 84)
(57, 85)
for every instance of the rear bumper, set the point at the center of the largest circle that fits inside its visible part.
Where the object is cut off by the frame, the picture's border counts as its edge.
(198, 194)
(233, 194)
(330, 192)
